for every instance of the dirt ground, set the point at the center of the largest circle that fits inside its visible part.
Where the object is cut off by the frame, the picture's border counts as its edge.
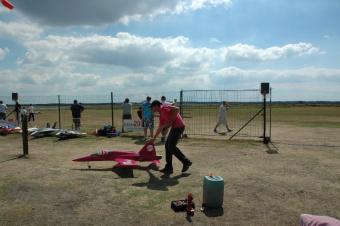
(263, 185)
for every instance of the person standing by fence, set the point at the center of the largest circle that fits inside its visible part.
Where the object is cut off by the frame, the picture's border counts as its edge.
(169, 117)
(76, 110)
(222, 116)
(30, 113)
(127, 110)
(147, 117)
(3, 110)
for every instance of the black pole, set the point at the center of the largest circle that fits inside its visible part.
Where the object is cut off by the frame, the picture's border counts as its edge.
(24, 135)
(265, 141)
(270, 114)
(181, 103)
(112, 119)
(59, 111)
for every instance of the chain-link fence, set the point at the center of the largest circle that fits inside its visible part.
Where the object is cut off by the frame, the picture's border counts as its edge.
(198, 107)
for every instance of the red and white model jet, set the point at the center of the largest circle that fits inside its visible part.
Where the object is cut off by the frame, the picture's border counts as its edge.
(7, 4)
(125, 159)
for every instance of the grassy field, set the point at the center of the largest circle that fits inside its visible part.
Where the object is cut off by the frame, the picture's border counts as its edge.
(263, 186)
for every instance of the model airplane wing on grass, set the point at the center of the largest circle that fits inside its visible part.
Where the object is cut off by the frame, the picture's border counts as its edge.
(125, 159)
(45, 132)
(69, 134)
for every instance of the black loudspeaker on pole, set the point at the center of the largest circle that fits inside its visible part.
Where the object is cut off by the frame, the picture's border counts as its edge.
(15, 96)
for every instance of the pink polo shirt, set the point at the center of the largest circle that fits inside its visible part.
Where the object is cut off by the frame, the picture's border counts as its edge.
(165, 117)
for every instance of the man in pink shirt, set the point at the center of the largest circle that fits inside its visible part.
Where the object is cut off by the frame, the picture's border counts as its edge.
(169, 117)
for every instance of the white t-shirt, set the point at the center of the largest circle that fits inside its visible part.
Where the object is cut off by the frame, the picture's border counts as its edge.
(166, 103)
(3, 108)
(222, 112)
(30, 109)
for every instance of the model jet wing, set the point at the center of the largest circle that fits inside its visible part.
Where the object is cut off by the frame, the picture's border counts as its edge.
(44, 132)
(69, 134)
(156, 162)
(129, 163)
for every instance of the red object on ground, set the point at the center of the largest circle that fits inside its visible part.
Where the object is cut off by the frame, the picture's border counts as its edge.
(7, 4)
(190, 208)
(6, 131)
(314, 220)
(125, 159)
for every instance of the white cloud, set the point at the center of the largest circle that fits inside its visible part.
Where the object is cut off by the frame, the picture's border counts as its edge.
(19, 31)
(252, 53)
(95, 64)
(172, 55)
(125, 50)
(46, 81)
(3, 53)
(308, 83)
(80, 12)
(293, 74)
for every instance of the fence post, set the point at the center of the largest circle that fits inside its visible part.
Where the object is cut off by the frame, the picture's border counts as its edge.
(24, 135)
(59, 111)
(181, 103)
(270, 114)
(112, 119)
(264, 118)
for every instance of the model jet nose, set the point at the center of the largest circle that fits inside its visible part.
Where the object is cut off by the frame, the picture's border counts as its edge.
(83, 159)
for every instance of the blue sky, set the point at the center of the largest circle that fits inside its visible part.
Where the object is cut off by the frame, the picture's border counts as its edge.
(80, 47)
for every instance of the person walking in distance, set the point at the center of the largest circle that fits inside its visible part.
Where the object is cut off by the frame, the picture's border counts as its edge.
(222, 116)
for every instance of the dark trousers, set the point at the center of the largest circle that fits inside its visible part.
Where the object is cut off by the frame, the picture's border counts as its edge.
(172, 149)
(31, 117)
(2, 116)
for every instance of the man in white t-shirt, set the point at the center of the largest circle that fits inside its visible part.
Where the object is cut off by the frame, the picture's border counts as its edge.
(222, 116)
(30, 113)
(3, 109)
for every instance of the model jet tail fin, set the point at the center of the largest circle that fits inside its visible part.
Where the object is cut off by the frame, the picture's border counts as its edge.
(148, 149)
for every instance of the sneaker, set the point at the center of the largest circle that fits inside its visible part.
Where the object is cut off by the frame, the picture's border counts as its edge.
(166, 170)
(186, 166)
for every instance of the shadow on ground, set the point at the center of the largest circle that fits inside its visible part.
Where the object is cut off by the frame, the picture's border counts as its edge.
(162, 183)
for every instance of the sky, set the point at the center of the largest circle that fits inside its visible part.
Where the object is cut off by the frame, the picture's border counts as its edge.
(80, 47)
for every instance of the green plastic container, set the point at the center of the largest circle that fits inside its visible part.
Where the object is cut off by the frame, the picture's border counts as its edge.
(213, 191)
